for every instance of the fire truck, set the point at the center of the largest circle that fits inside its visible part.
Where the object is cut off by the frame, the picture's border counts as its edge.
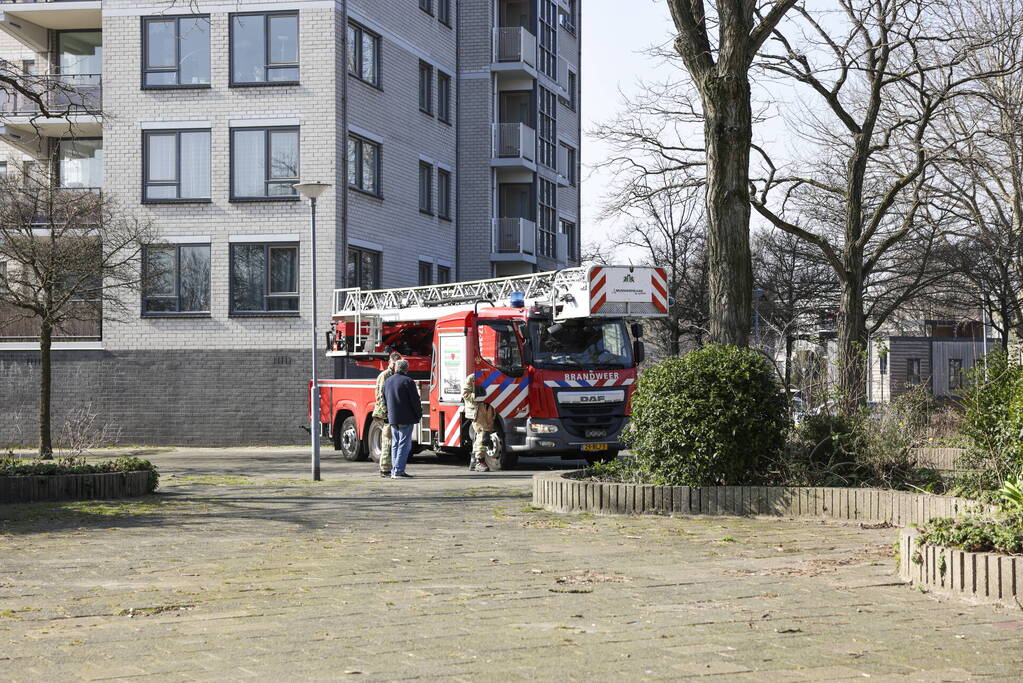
(555, 354)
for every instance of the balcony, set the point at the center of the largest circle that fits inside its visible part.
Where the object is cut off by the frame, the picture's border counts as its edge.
(73, 100)
(514, 146)
(514, 239)
(85, 324)
(514, 51)
(30, 21)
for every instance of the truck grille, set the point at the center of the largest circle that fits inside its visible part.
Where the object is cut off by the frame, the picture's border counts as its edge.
(588, 421)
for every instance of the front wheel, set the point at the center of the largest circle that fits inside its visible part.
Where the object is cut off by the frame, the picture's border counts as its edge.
(349, 442)
(498, 457)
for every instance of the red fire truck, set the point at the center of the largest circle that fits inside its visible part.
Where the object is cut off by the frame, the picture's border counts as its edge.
(554, 353)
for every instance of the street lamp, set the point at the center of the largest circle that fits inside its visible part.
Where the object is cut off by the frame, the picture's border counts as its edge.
(312, 191)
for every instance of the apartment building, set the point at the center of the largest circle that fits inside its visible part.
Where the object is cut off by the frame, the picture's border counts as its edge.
(448, 129)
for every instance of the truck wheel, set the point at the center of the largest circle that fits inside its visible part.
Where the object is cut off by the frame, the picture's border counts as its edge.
(374, 437)
(498, 456)
(351, 446)
(606, 456)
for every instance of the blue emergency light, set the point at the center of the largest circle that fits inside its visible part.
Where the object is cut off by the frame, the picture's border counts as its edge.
(518, 299)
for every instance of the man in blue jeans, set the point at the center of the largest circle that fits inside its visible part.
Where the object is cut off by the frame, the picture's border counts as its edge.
(404, 411)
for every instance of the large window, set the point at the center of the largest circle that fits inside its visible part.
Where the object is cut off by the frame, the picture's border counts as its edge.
(549, 38)
(443, 97)
(364, 164)
(443, 275)
(264, 163)
(568, 19)
(568, 229)
(548, 217)
(425, 273)
(264, 278)
(425, 187)
(444, 12)
(80, 162)
(548, 129)
(177, 165)
(425, 88)
(264, 48)
(443, 194)
(363, 268)
(176, 279)
(176, 51)
(570, 164)
(913, 374)
(364, 54)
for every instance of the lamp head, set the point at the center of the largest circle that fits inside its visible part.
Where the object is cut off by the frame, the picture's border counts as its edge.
(311, 190)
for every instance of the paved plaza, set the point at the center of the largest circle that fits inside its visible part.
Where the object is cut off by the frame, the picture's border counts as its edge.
(239, 567)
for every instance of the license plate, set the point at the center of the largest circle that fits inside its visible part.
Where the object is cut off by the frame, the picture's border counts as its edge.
(594, 446)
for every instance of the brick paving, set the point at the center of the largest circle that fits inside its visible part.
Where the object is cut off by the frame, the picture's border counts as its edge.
(240, 568)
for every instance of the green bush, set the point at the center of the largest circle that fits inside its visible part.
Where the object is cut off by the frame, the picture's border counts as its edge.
(716, 416)
(975, 534)
(993, 421)
(15, 467)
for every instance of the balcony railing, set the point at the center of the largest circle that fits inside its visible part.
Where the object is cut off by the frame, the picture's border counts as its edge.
(61, 93)
(514, 44)
(514, 141)
(514, 236)
(87, 325)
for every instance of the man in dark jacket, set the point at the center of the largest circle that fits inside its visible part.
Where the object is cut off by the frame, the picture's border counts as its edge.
(404, 411)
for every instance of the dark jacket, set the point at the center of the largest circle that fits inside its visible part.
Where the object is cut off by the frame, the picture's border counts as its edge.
(404, 407)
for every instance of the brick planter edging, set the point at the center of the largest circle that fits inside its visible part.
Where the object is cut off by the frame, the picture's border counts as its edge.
(56, 487)
(984, 577)
(558, 492)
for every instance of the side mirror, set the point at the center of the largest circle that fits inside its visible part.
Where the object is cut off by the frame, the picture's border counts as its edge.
(638, 352)
(637, 331)
(480, 392)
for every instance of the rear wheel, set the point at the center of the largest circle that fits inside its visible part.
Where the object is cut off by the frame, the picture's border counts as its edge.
(498, 457)
(606, 456)
(374, 439)
(349, 442)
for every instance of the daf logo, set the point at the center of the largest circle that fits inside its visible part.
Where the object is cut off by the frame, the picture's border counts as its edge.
(592, 399)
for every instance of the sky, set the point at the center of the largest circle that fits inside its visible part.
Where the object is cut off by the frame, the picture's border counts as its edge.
(613, 42)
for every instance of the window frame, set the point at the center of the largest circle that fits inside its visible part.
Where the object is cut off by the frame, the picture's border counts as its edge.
(378, 49)
(426, 208)
(266, 312)
(444, 194)
(444, 12)
(177, 283)
(444, 81)
(56, 151)
(573, 237)
(446, 270)
(425, 68)
(146, 134)
(911, 377)
(378, 259)
(426, 6)
(266, 50)
(360, 140)
(425, 267)
(145, 70)
(955, 381)
(267, 130)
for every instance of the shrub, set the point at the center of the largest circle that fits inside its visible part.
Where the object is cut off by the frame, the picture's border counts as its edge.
(993, 421)
(15, 467)
(713, 416)
(975, 534)
(621, 470)
(1010, 496)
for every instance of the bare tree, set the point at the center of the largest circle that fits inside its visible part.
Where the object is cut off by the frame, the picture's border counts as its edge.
(67, 258)
(877, 84)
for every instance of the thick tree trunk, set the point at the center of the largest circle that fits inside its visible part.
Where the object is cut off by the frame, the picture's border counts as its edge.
(852, 341)
(728, 129)
(45, 383)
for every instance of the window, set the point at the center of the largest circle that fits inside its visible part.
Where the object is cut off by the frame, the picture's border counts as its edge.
(364, 54)
(913, 370)
(363, 164)
(570, 101)
(176, 52)
(569, 163)
(548, 217)
(425, 88)
(955, 374)
(568, 19)
(426, 6)
(499, 345)
(264, 278)
(363, 268)
(264, 48)
(443, 275)
(80, 162)
(549, 38)
(425, 187)
(443, 194)
(548, 129)
(568, 229)
(264, 163)
(176, 165)
(425, 274)
(176, 279)
(443, 97)
(444, 12)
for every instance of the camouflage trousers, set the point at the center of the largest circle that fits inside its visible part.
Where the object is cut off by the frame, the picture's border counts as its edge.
(385, 445)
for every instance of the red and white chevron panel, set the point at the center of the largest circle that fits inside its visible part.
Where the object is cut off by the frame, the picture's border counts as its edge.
(510, 402)
(659, 298)
(598, 285)
(453, 429)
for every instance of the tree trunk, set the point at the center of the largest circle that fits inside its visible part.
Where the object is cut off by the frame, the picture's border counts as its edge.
(788, 363)
(45, 382)
(728, 131)
(852, 342)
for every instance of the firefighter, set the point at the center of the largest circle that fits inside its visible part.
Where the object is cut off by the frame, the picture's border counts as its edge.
(380, 416)
(483, 418)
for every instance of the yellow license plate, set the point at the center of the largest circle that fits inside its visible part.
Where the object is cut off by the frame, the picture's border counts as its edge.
(594, 446)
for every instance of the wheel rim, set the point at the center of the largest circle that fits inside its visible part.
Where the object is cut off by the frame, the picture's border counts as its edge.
(349, 440)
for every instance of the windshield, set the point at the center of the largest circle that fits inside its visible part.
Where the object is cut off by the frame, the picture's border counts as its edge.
(580, 344)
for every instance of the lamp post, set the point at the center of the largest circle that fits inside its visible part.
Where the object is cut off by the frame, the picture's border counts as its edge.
(312, 191)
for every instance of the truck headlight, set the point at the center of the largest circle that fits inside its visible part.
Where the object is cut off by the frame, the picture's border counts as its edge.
(541, 428)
